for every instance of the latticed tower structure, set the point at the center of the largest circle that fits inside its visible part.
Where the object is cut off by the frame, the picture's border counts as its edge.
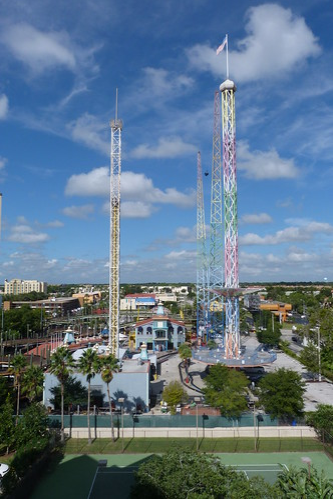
(115, 176)
(216, 255)
(231, 283)
(201, 255)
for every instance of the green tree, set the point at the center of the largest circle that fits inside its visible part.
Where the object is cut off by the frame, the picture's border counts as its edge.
(309, 357)
(74, 394)
(17, 368)
(32, 382)
(182, 474)
(24, 320)
(185, 353)
(322, 420)
(226, 389)
(174, 394)
(108, 367)
(62, 365)
(281, 394)
(33, 425)
(5, 390)
(89, 365)
(304, 483)
(7, 425)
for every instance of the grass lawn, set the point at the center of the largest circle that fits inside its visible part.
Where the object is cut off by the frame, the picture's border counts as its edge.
(159, 445)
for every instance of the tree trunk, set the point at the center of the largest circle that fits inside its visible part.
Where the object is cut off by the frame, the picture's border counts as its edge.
(62, 414)
(88, 412)
(111, 416)
(18, 401)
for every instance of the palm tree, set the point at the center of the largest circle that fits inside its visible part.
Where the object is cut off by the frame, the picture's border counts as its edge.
(17, 368)
(109, 366)
(89, 364)
(33, 380)
(62, 365)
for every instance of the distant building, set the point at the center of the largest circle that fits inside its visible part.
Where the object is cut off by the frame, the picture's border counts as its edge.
(142, 301)
(252, 302)
(87, 298)
(57, 307)
(160, 332)
(18, 287)
(279, 309)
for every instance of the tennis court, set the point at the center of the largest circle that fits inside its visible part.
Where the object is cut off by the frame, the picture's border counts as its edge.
(95, 476)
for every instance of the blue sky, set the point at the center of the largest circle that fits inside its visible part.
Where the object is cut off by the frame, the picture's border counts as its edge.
(61, 63)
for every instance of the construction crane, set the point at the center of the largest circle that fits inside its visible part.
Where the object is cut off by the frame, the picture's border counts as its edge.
(115, 176)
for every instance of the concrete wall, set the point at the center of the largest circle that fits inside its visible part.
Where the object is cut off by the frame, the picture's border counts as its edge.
(276, 432)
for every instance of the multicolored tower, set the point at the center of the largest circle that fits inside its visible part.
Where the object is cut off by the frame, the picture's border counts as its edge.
(231, 278)
(115, 175)
(201, 255)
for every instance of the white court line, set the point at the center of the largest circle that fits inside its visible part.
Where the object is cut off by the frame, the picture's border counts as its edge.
(93, 482)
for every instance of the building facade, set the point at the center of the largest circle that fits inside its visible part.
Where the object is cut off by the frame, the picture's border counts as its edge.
(160, 332)
(18, 287)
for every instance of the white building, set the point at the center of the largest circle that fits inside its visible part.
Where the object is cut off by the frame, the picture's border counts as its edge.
(18, 287)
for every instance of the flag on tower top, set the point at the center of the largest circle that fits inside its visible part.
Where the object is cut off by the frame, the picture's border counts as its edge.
(223, 44)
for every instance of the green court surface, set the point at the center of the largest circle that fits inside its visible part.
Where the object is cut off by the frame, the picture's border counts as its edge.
(80, 476)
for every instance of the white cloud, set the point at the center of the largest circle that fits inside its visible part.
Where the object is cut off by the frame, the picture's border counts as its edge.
(135, 209)
(256, 218)
(181, 255)
(161, 83)
(135, 187)
(39, 50)
(55, 224)
(171, 147)
(23, 233)
(3, 106)
(89, 131)
(287, 235)
(94, 183)
(268, 165)
(3, 162)
(81, 212)
(277, 41)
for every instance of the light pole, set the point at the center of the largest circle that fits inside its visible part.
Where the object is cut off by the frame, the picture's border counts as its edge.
(254, 427)
(121, 401)
(319, 354)
(307, 461)
(196, 401)
(260, 420)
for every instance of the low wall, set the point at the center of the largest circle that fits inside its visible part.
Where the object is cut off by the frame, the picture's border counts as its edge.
(235, 432)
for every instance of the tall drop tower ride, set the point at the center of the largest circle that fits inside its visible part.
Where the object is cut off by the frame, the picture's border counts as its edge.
(115, 177)
(201, 256)
(231, 282)
(216, 226)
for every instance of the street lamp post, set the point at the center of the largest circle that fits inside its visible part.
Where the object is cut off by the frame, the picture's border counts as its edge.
(121, 401)
(196, 401)
(254, 427)
(260, 420)
(307, 461)
(319, 354)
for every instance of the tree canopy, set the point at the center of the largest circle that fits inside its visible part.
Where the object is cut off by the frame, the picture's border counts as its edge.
(281, 393)
(226, 389)
(174, 394)
(181, 474)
